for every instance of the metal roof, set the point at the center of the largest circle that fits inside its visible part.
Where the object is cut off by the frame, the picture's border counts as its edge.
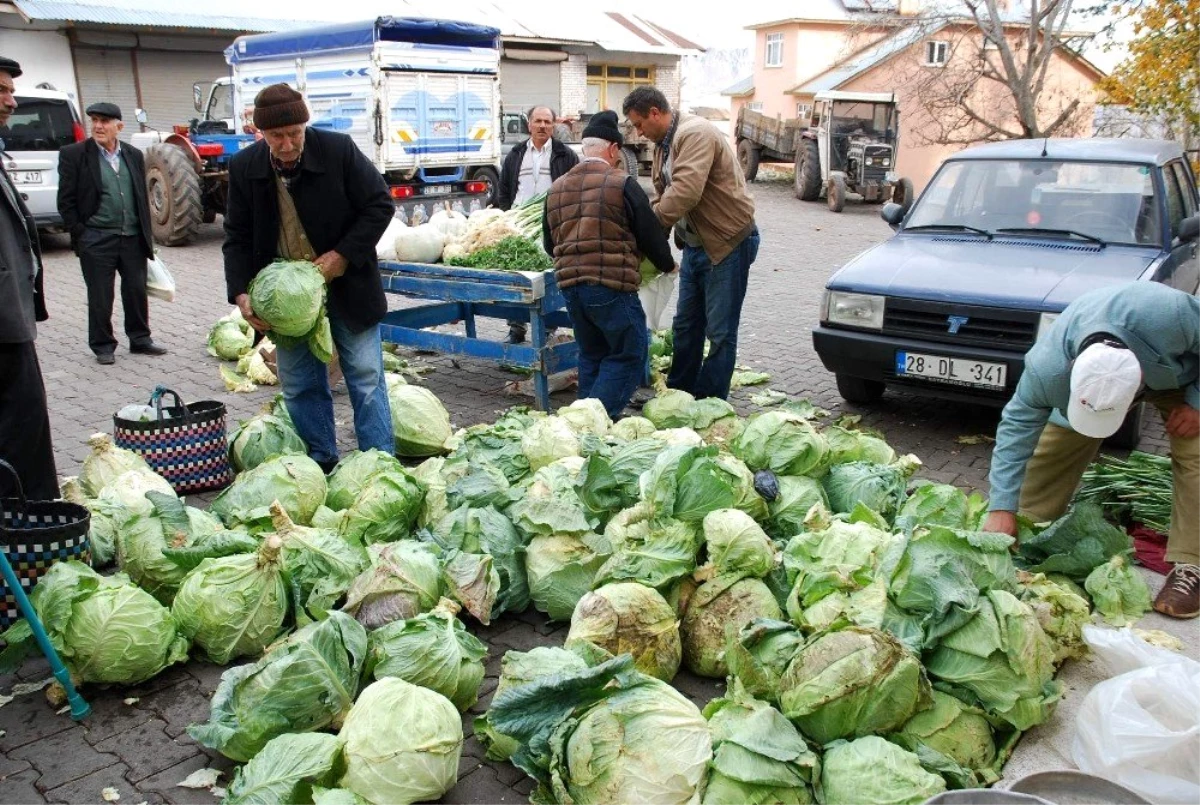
(740, 89)
(865, 59)
(1123, 149)
(155, 14)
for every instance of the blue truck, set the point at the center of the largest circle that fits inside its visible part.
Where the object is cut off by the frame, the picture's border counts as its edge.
(420, 97)
(1003, 238)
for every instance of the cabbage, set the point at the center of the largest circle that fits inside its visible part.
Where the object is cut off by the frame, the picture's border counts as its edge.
(487, 531)
(1003, 659)
(519, 668)
(847, 444)
(106, 463)
(632, 428)
(434, 506)
(679, 437)
(234, 606)
(758, 756)
(586, 416)
(879, 487)
(499, 444)
(353, 474)
(608, 484)
(420, 423)
(102, 537)
(852, 682)
(402, 744)
(230, 340)
(303, 684)
(1061, 611)
(797, 495)
(385, 510)
(297, 482)
(656, 552)
(629, 619)
(689, 482)
(336, 796)
(758, 655)
(719, 607)
(320, 565)
(403, 581)
(433, 650)
(1075, 544)
(547, 440)
(262, 437)
(781, 441)
(561, 570)
(736, 544)
(959, 732)
(288, 769)
(939, 504)
(551, 505)
(125, 495)
(715, 420)
(1118, 591)
(745, 495)
(671, 409)
(289, 295)
(106, 630)
(872, 771)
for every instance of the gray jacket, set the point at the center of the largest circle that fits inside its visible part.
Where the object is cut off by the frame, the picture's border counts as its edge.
(21, 299)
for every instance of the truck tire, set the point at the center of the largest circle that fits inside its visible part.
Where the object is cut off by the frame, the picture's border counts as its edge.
(902, 193)
(173, 189)
(835, 194)
(748, 158)
(859, 390)
(490, 176)
(807, 184)
(628, 161)
(1129, 434)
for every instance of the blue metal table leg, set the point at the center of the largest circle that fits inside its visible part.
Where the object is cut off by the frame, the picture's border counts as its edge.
(469, 319)
(537, 332)
(79, 708)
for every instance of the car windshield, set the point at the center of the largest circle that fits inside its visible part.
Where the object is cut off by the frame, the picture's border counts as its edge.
(1113, 203)
(39, 124)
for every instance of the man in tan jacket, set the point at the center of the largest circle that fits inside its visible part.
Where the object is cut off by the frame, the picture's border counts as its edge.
(700, 192)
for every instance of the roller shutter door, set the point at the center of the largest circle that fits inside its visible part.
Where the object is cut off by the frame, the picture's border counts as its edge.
(529, 83)
(106, 74)
(167, 78)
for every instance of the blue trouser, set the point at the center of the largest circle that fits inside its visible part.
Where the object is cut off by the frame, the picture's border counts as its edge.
(710, 306)
(610, 331)
(306, 393)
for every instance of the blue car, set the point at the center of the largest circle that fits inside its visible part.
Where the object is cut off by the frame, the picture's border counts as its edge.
(1003, 238)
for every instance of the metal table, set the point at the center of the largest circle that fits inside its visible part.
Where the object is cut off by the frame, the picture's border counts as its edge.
(463, 294)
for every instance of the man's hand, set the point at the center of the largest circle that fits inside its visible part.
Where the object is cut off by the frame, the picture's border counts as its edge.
(1001, 522)
(243, 303)
(332, 265)
(1184, 422)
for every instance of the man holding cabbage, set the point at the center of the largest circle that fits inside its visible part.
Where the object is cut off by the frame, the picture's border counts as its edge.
(304, 194)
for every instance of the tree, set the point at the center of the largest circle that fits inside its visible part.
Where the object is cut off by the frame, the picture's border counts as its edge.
(1161, 77)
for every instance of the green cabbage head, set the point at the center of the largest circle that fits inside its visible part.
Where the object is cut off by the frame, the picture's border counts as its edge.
(262, 437)
(631, 619)
(105, 463)
(872, 771)
(289, 295)
(353, 473)
(420, 423)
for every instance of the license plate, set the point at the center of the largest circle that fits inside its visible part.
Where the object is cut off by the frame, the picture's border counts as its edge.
(959, 371)
(436, 190)
(27, 177)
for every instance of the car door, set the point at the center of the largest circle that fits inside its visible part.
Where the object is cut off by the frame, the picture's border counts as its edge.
(1181, 269)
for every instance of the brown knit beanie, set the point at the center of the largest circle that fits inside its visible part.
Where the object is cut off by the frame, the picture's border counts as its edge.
(277, 106)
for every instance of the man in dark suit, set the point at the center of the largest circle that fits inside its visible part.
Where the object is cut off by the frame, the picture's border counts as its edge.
(103, 204)
(24, 420)
(309, 194)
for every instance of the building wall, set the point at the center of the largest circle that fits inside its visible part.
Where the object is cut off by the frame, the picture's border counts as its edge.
(44, 56)
(573, 73)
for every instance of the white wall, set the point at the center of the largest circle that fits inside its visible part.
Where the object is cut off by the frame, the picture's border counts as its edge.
(43, 56)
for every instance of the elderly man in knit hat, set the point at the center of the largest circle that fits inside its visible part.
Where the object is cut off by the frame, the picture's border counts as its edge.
(309, 194)
(598, 227)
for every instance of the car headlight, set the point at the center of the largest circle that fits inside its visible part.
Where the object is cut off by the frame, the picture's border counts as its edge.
(887, 163)
(1045, 322)
(853, 310)
(870, 160)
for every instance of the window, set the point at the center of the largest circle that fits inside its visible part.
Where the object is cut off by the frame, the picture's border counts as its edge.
(804, 111)
(936, 53)
(39, 124)
(1176, 207)
(1185, 181)
(774, 50)
(755, 106)
(608, 84)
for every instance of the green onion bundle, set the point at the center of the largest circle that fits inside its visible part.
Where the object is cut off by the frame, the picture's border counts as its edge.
(1139, 488)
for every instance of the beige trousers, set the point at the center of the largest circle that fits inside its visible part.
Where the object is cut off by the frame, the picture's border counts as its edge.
(1053, 474)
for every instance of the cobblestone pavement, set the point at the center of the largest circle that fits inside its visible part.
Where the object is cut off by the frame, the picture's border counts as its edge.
(142, 748)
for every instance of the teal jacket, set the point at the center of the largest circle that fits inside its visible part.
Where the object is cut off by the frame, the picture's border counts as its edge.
(1160, 324)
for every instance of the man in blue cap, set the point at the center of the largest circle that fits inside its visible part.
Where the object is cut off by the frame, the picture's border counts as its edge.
(103, 203)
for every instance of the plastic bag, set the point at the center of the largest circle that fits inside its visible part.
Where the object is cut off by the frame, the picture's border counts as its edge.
(655, 296)
(1141, 728)
(385, 249)
(159, 282)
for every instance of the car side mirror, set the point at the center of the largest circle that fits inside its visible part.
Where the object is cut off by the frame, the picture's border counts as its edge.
(893, 213)
(1189, 229)
(140, 116)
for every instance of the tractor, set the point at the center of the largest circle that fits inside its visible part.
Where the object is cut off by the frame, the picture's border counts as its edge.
(187, 169)
(850, 147)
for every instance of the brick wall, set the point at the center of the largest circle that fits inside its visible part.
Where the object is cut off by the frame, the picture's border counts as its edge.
(573, 76)
(666, 78)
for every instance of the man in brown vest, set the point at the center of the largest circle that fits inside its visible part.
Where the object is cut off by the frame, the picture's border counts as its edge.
(598, 226)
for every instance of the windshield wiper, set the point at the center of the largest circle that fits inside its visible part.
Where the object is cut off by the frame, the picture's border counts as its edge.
(950, 228)
(1033, 230)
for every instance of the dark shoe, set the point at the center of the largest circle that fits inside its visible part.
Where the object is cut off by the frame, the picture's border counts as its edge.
(515, 337)
(148, 348)
(1180, 595)
(640, 398)
(106, 359)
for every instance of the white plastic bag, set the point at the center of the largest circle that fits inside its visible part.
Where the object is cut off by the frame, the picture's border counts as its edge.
(655, 296)
(159, 282)
(1141, 728)
(385, 249)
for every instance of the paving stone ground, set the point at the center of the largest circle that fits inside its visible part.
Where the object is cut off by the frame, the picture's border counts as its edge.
(141, 748)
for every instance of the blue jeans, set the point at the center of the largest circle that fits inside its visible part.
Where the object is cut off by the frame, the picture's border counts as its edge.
(710, 306)
(306, 393)
(610, 330)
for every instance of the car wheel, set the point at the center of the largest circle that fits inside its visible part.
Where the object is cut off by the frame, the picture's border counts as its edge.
(627, 160)
(748, 157)
(859, 390)
(835, 194)
(1130, 432)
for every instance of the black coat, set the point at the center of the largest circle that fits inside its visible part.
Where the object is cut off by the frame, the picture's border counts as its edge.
(80, 189)
(21, 299)
(344, 205)
(562, 159)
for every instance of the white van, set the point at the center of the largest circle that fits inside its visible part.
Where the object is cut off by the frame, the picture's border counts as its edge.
(45, 121)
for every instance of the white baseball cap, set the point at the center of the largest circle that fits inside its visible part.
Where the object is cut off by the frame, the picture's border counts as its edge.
(1104, 382)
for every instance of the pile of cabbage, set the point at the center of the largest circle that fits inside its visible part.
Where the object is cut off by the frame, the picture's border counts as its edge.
(875, 645)
(232, 339)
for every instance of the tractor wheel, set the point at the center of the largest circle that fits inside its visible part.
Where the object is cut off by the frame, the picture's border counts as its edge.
(628, 161)
(807, 184)
(173, 188)
(902, 193)
(490, 176)
(748, 158)
(835, 193)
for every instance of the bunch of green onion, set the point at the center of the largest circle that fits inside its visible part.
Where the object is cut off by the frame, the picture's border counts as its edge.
(1138, 488)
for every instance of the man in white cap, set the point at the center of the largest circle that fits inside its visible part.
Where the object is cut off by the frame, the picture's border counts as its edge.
(1108, 350)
